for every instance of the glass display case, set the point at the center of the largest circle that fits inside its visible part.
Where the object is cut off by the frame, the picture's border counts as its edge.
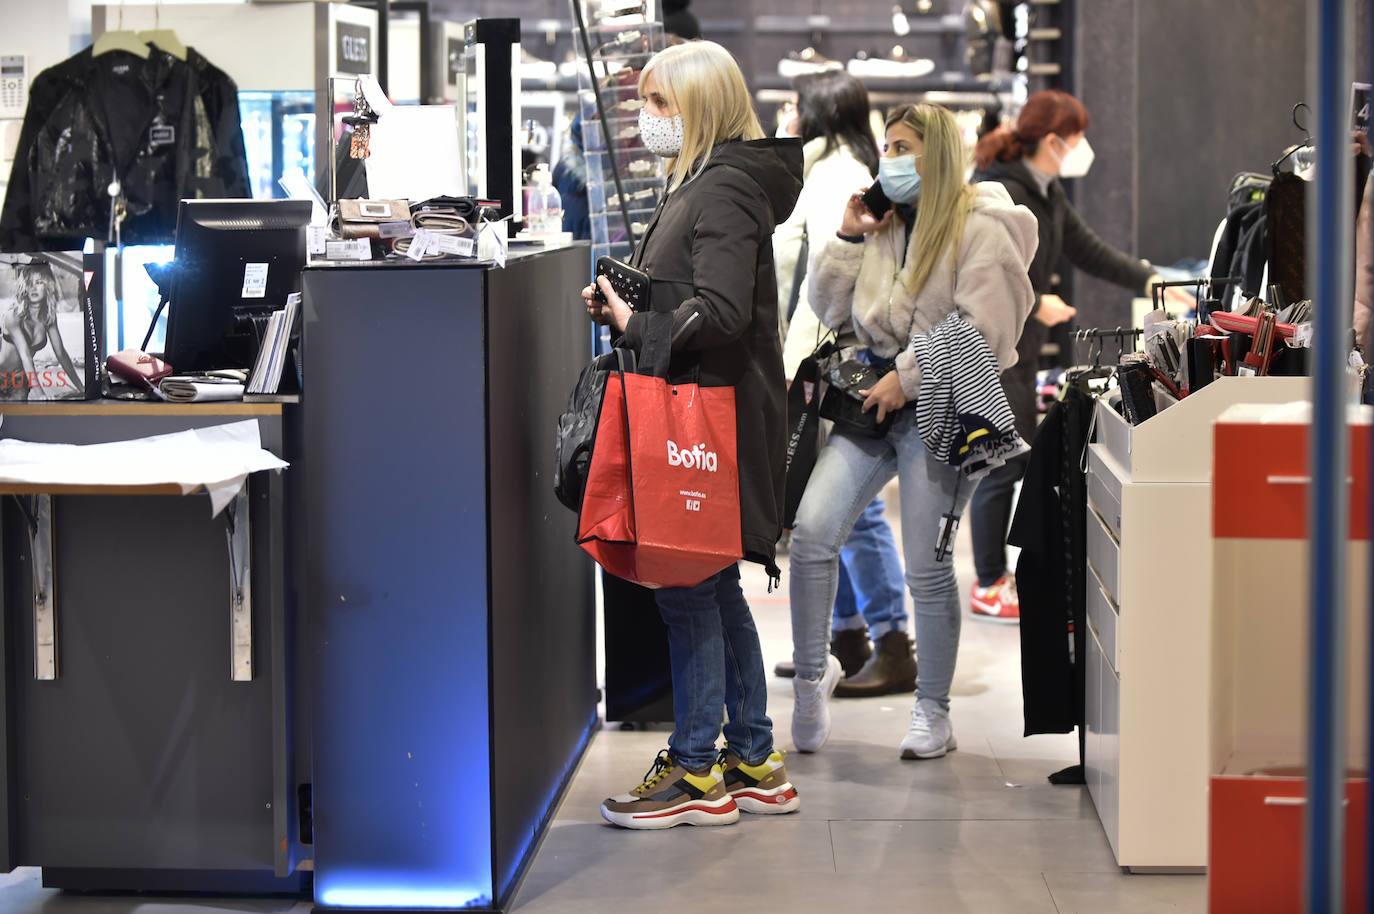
(279, 136)
(131, 297)
(620, 49)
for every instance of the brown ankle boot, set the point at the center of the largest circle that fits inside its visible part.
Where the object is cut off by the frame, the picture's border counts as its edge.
(892, 668)
(851, 646)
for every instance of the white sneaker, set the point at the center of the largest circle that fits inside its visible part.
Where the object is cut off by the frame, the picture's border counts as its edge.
(810, 716)
(931, 735)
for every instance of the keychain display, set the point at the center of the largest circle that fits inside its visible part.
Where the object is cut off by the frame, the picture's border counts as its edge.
(360, 121)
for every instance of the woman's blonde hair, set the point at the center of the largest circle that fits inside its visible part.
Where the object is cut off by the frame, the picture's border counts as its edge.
(702, 79)
(26, 275)
(946, 198)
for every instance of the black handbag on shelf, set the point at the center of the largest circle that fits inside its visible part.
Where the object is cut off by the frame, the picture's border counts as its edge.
(844, 405)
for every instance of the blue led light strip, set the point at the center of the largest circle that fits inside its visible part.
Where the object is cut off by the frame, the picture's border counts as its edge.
(400, 895)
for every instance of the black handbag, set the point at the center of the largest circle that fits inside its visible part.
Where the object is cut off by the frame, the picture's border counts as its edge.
(803, 429)
(844, 405)
(577, 426)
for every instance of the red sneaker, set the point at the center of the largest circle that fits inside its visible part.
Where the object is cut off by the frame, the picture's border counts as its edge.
(998, 602)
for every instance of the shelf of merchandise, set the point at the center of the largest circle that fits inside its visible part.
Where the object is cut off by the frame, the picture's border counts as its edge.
(786, 25)
(1257, 726)
(1148, 593)
(617, 65)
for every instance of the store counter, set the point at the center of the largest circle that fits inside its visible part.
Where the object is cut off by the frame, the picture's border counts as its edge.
(415, 681)
(451, 615)
(134, 755)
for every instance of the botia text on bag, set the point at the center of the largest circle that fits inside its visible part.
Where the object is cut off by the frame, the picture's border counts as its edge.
(697, 457)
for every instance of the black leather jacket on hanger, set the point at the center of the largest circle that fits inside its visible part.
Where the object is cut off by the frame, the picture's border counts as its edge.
(92, 120)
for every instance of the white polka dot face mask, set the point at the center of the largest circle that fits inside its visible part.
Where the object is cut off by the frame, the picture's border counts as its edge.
(661, 135)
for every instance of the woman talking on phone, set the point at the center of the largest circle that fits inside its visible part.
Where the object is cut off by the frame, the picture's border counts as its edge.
(944, 247)
(708, 251)
(1046, 144)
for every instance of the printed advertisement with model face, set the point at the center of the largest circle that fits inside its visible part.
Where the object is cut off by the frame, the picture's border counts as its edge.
(42, 327)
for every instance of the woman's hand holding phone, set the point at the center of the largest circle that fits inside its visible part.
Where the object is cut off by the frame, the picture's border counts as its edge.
(858, 219)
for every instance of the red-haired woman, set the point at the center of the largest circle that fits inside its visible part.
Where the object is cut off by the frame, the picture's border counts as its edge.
(1029, 157)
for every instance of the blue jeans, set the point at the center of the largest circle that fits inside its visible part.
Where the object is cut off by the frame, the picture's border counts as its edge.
(714, 649)
(849, 473)
(870, 577)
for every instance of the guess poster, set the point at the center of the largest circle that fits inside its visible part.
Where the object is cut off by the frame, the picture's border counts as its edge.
(48, 334)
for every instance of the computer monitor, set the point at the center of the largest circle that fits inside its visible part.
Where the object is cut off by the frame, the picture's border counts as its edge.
(235, 259)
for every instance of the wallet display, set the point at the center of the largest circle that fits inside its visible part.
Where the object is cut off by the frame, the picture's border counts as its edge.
(136, 367)
(364, 218)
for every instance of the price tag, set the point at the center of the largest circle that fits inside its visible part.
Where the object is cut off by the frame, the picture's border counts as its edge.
(351, 249)
(395, 229)
(1359, 107)
(317, 236)
(254, 280)
(495, 244)
(500, 253)
(453, 244)
(419, 245)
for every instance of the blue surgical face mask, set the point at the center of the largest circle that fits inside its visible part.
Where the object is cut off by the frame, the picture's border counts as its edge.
(899, 179)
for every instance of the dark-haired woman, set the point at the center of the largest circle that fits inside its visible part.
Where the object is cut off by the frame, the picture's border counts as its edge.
(1046, 143)
(840, 154)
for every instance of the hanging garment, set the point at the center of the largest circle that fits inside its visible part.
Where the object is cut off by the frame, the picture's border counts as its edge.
(1239, 250)
(1050, 527)
(224, 171)
(1285, 235)
(144, 124)
(962, 414)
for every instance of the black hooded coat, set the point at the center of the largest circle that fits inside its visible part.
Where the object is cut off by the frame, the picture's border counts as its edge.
(708, 250)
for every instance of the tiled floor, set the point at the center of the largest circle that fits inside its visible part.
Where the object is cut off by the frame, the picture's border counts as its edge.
(980, 830)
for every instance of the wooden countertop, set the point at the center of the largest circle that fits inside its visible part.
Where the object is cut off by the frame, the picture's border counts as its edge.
(143, 408)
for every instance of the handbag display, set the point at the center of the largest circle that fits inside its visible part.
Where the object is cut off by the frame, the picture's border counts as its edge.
(843, 404)
(661, 503)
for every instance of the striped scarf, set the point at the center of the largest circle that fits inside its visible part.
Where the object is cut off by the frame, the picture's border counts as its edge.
(962, 414)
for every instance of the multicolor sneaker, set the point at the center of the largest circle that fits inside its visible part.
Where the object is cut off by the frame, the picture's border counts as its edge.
(999, 602)
(672, 795)
(763, 788)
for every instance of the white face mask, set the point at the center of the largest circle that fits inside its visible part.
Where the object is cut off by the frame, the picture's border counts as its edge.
(1076, 162)
(660, 135)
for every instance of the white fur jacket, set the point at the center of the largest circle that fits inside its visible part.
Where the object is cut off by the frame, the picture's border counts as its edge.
(863, 286)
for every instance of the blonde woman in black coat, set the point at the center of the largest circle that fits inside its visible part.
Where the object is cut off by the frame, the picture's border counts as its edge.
(708, 250)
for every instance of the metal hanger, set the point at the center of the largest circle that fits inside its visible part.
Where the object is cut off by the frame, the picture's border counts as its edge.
(1296, 147)
(120, 40)
(165, 39)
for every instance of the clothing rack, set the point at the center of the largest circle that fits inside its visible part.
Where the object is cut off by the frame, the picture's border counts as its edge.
(1120, 334)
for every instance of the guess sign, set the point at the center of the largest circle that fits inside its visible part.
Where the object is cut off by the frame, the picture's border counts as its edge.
(352, 48)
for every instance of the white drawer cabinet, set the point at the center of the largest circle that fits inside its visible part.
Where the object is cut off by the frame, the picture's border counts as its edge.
(1148, 590)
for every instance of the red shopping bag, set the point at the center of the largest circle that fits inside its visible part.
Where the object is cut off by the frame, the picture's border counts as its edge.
(661, 506)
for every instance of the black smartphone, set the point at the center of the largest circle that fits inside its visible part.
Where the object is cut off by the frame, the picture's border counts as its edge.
(876, 200)
(630, 283)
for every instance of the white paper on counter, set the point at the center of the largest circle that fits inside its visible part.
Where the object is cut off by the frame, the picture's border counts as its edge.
(218, 457)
